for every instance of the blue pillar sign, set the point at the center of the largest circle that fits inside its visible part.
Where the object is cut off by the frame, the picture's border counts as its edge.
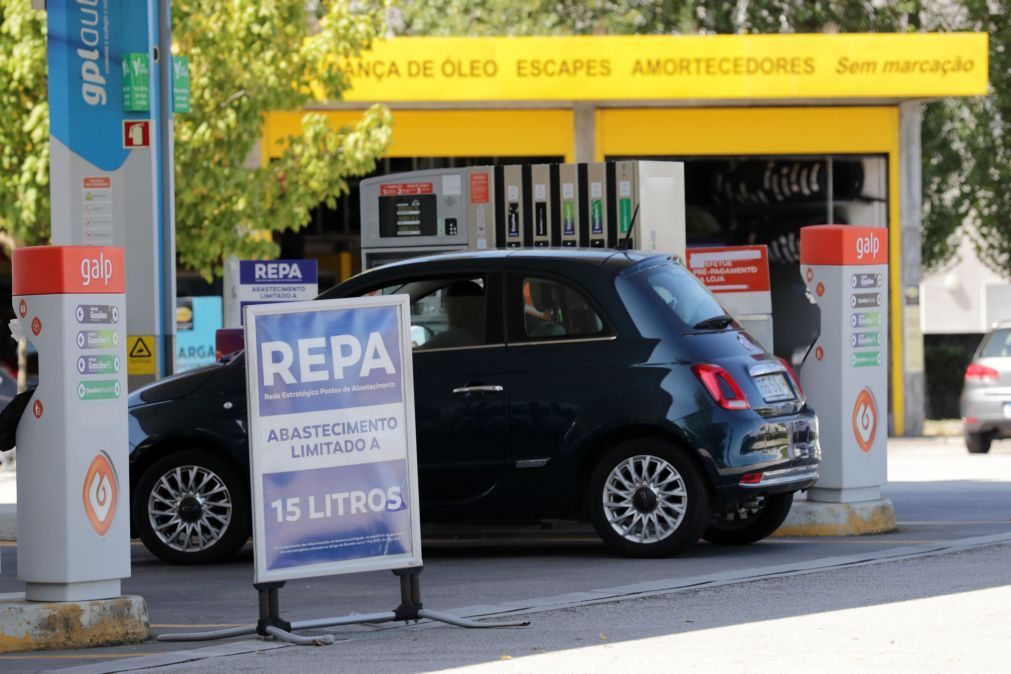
(331, 437)
(104, 155)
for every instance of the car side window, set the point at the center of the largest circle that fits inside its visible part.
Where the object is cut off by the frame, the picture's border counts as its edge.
(446, 312)
(556, 310)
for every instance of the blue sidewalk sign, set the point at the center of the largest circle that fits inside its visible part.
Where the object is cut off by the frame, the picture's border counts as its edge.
(267, 281)
(331, 437)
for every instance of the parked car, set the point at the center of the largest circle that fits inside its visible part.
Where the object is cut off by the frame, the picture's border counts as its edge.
(986, 392)
(604, 385)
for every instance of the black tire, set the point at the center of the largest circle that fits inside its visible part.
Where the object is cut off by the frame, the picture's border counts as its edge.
(232, 525)
(978, 443)
(683, 532)
(733, 528)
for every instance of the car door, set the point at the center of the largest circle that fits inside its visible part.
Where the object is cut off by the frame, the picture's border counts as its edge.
(562, 351)
(460, 373)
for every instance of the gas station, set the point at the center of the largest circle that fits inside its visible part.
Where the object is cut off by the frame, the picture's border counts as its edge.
(796, 158)
(775, 132)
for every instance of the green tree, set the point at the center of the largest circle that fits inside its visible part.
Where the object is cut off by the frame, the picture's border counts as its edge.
(247, 57)
(966, 142)
(976, 139)
(24, 126)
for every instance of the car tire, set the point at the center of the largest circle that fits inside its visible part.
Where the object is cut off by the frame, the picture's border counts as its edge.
(191, 507)
(741, 526)
(647, 498)
(978, 443)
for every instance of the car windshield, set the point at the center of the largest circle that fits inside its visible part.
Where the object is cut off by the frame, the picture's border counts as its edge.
(684, 295)
(997, 345)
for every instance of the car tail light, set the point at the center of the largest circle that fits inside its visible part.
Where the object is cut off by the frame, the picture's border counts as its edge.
(793, 376)
(711, 377)
(751, 478)
(977, 372)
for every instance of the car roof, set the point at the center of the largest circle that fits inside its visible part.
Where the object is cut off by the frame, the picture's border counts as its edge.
(590, 256)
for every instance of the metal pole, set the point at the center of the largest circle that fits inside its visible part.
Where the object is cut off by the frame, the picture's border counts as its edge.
(166, 188)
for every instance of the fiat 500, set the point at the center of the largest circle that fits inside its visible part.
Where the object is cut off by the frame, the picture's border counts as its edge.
(608, 386)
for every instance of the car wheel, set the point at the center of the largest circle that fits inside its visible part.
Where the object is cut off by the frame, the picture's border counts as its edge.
(978, 443)
(191, 507)
(749, 522)
(648, 499)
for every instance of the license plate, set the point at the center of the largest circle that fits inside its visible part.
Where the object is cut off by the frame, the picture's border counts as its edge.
(1007, 410)
(774, 388)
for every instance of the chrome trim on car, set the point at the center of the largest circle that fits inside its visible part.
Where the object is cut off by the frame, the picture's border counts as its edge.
(766, 367)
(774, 478)
(532, 463)
(544, 342)
(422, 349)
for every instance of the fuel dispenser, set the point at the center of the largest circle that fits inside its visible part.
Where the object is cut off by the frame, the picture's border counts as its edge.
(845, 372)
(73, 501)
(410, 214)
(521, 206)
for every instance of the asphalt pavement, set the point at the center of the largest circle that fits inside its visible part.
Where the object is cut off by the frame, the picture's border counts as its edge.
(953, 511)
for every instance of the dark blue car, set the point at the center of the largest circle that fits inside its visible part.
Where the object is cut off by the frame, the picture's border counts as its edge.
(577, 384)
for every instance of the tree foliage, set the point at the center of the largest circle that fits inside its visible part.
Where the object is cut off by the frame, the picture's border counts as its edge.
(24, 126)
(247, 57)
(966, 142)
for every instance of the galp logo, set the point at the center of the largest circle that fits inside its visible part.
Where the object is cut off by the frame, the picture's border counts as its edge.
(101, 490)
(96, 269)
(865, 420)
(868, 245)
(316, 359)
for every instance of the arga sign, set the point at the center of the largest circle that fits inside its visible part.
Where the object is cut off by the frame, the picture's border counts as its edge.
(331, 437)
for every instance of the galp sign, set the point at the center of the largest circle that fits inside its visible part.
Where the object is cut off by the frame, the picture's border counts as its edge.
(96, 269)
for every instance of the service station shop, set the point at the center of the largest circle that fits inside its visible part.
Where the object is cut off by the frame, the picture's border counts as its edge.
(776, 132)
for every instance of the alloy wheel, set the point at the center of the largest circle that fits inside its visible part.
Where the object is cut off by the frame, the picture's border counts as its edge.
(644, 499)
(189, 508)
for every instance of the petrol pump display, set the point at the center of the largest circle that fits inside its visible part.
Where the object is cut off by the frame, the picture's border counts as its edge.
(845, 373)
(73, 500)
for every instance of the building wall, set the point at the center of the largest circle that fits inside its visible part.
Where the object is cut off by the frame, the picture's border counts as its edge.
(955, 298)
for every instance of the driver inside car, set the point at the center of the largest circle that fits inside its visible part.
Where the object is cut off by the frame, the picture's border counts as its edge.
(464, 303)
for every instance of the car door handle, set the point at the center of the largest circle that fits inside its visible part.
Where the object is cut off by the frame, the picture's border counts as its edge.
(464, 390)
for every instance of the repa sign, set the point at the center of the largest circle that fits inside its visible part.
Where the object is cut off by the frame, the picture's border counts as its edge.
(332, 443)
(264, 282)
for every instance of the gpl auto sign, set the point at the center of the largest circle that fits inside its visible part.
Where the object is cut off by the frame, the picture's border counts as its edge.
(332, 442)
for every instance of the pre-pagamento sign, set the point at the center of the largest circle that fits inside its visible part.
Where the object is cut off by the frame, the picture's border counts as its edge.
(331, 437)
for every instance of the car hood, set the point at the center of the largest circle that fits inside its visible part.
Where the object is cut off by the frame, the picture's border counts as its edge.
(174, 387)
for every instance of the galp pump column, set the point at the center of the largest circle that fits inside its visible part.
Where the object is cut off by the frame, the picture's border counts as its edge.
(845, 374)
(73, 500)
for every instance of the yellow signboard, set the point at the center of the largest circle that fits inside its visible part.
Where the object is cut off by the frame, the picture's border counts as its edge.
(665, 67)
(140, 350)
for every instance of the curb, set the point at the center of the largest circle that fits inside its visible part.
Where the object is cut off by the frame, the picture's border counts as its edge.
(31, 626)
(813, 518)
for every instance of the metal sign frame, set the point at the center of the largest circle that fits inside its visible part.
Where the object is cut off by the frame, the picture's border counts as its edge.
(258, 427)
